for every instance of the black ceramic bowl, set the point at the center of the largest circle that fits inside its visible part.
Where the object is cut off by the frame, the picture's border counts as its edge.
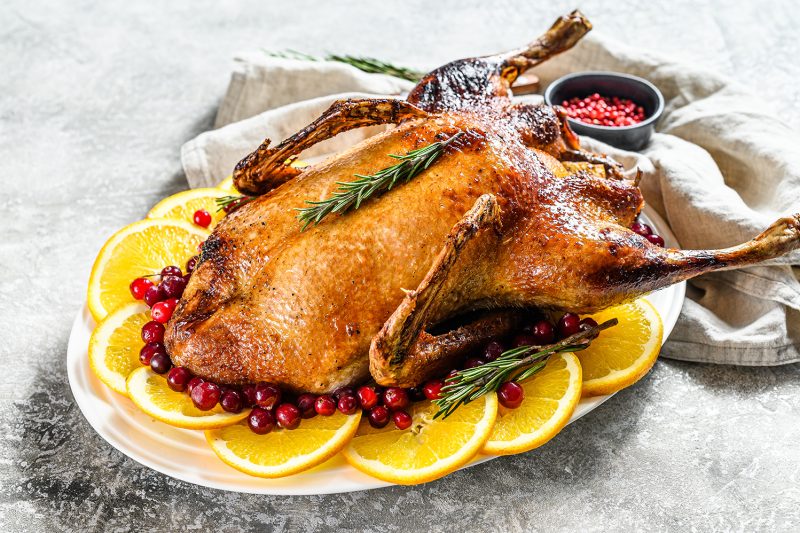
(639, 90)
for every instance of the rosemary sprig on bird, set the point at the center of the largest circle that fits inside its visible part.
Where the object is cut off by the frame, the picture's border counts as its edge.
(513, 365)
(366, 64)
(350, 194)
(232, 202)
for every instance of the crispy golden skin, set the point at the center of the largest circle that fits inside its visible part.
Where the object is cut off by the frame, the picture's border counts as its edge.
(497, 223)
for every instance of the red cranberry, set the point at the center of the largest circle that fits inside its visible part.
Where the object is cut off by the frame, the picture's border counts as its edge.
(190, 264)
(249, 395)
(160, 363)
(173, 286)
(510, 395)
(205, 395)
(178, 378)
(202, 218)
(588, 323)
(367, 397)
(195, 381)
(172, 303)
(523, 339)
(450, 375)
(149, 350)
(343, 391)
(305, 404)
(231, 401)
(161, 312)
(493, 350)
(433, 389)
(347, 404)
(401, 419)
(395, 398)
(325, 405)
(641, 228)
(378, 416)
(416, 394)
(260, 421)
(153, 332)
(656, 239)
(267, 395)
(472, 362)
(139, 287)
(569, 324)
(287, 415)
(153, 295)
(171, 270)
(543, 333)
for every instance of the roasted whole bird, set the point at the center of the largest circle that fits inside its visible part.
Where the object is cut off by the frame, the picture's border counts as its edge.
(504, 221)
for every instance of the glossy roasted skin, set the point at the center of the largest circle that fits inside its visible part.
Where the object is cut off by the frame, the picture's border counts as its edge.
(497, 224)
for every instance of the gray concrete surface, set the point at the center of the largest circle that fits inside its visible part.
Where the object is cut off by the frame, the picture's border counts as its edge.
(96, 99)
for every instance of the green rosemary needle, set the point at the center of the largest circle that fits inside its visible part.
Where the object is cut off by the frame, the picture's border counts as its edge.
(376, 66)
(512, 365)
(350, 194)
(366, 64)
(233, 202)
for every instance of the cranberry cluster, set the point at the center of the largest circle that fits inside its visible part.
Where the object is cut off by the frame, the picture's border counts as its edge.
(604, 111)
(647, 232)
(162, 297)
(538, 333)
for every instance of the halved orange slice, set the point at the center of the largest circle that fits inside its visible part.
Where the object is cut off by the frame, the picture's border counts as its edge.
(151, 394)
(115, 344)
(182, 205)
(550, 398)
(139, 249)
(621, 355)
(429, 449)
(283, 452)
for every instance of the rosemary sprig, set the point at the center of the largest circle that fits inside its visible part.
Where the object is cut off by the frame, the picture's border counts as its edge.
(233, 202)
(352, 193)
(376, 66)
(366, 64)
(512, 365)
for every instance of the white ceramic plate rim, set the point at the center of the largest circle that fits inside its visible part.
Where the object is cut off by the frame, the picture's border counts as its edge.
(185, 455)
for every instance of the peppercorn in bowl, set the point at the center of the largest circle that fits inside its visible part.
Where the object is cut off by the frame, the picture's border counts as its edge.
(619, 109)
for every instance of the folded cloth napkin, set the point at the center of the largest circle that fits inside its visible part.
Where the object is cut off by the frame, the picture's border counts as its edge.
(719, 170)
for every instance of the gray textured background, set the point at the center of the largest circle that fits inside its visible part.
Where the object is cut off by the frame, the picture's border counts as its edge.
(96, 99)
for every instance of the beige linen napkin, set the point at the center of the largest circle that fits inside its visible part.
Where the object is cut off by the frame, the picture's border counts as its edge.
(719, 170)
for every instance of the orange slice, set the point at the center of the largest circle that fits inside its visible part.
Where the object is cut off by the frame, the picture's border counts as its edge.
(151, 394)
(550, 398)
(429, 449)
(621, 355)
(139, 249)
(115, 344)
(181, 206)
(283, 452)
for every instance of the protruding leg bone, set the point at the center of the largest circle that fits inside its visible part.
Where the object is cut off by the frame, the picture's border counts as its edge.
(562, 35)
(478, 81)
(267, 168)
(649, 268)
(781, 237)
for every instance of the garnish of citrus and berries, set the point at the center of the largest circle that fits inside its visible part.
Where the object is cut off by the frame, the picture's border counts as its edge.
(513, 396)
